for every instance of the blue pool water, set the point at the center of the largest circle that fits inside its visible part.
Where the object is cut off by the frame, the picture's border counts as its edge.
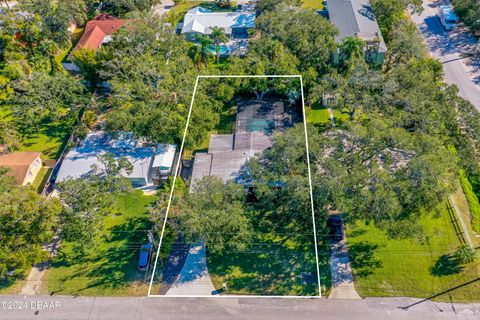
(223, 49)
(257, 125)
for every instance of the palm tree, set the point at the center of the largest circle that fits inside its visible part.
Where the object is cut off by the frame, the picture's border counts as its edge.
(218, 37)
(204, 43)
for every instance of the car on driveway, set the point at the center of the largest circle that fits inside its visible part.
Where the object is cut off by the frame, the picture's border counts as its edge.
(335, 225)
(144, 256)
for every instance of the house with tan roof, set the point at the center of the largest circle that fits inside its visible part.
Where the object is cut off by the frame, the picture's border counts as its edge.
(23, 166)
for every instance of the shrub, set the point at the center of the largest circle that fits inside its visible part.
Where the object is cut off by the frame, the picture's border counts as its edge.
(466, 254)
(469, 12)
(472, 200)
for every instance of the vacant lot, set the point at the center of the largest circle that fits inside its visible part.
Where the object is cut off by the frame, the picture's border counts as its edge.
(274, 264)
(416, 268)
(111, 268)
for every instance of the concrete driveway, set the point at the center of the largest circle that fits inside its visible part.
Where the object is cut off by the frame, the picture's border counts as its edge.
(342, 277)
(194, 279)
(451, 48)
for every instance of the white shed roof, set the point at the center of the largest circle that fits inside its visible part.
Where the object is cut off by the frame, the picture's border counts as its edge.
(164, 157)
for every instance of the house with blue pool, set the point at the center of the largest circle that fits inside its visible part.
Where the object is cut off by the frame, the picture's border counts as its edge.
(152, 163)
(201, 21)
(254, 125)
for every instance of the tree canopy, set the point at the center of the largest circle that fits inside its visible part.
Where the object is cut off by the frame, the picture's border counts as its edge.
(27, 222)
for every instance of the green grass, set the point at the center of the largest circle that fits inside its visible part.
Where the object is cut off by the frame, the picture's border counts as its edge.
(273, 265)
(459, 199)
(49, 139)
(41, 178)
(318, 115)
(387, 267)
(473, 203)
(312, 4)
(111, 269)
(340, 116)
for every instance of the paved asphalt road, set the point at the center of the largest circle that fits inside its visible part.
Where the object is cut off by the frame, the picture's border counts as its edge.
(451, 49)
(85, 308)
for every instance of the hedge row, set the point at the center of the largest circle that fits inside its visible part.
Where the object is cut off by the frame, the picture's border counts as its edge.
(472, 200)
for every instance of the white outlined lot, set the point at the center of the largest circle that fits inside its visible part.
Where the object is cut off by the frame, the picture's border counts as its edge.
(177, 172)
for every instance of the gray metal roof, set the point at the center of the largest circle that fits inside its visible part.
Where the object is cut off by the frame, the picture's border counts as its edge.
(227, 153)
(354, 18)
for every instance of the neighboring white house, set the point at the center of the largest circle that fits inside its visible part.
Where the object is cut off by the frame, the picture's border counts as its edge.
(201, 21)
(150, 162)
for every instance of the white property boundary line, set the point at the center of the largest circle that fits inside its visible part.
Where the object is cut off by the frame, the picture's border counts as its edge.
(175, 178)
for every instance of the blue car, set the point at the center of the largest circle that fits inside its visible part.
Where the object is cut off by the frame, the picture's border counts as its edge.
(144, 256)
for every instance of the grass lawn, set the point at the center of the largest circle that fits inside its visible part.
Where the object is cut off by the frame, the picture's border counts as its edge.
(318, 115)
(340, 117)
(273, 265)
(15, 287)
(458, 198)
(387, 267)
(49, 139)
(112, 268)
(41, 178)
(313, 4)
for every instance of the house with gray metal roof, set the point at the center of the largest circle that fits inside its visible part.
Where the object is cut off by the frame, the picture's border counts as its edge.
(356, 18)
(201, 21)
(254, 125)
(150, 162)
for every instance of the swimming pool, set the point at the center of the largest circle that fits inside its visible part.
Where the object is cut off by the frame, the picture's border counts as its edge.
(223, 49)
(257, 125)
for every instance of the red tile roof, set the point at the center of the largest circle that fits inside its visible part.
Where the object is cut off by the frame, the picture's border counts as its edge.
(96, 31)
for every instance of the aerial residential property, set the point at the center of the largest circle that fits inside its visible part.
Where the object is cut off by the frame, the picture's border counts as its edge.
(236, 25)
(254, 124)
(240, 159)
(151, 163)
(356, 18)
(23, 166)
(200, 21)
(99, 31)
